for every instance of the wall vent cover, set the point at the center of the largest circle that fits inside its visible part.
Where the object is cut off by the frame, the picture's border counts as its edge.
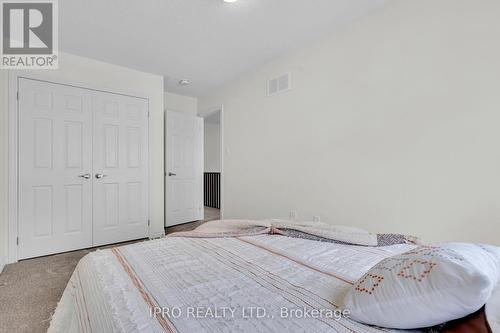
(279, 84)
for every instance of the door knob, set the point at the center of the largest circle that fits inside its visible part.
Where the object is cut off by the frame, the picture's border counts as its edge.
(100, 175)
(170, 174)
(86, 176)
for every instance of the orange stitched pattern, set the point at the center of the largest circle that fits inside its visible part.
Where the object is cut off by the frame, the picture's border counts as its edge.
(375, 282)
(426, 267)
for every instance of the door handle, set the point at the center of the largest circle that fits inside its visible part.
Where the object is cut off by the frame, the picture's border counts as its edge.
(170, 174)
(86, 176)
(100, 175)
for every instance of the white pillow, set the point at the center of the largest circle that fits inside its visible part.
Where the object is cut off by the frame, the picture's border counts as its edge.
(426, 286)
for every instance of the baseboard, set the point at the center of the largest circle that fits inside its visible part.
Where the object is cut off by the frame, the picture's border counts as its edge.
(157, 235)
(2, 264)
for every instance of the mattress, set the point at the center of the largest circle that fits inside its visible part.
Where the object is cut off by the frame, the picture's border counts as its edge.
(260, 283)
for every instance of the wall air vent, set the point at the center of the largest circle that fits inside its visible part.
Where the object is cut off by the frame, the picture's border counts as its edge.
(279, 84)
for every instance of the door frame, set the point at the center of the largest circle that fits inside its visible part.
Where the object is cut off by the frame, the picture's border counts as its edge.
(13, 148)
(205, 114)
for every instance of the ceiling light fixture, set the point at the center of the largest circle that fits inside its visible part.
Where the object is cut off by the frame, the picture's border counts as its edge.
(184, 82)
(229, 1)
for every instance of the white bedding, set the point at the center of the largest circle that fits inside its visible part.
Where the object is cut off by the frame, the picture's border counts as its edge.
(115, 290)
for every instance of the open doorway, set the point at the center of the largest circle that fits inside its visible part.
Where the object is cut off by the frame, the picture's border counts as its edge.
(194, 178)
(212, 165)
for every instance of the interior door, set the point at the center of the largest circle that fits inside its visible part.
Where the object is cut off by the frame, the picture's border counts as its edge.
(120, 156)
(55, 167)
(184, 168)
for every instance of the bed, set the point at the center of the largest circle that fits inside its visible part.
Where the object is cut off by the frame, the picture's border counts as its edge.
(222, 280)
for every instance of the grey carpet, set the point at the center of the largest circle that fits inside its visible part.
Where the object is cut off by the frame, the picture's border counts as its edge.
(31, 289)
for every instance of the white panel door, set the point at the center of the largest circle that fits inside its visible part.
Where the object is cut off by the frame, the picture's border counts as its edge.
(184, 168)
(120, 154)
(55, 167)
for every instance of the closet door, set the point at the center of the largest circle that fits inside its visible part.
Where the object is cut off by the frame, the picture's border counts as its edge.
(55, 168)
(120, 155)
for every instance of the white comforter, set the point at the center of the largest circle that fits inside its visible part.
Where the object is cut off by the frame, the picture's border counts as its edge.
(237, 284)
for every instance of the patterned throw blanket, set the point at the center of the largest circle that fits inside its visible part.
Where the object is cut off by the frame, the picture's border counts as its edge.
(307, 230)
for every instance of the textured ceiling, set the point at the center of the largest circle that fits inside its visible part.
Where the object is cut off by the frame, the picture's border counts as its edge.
(206, 41)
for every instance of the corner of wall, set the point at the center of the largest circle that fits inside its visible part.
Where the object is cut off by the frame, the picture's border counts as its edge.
(176, 102)
(2, 264)
(4, 178)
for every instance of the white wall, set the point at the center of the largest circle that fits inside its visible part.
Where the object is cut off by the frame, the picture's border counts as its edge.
(212, 147)
(176, 102)
(392, 124)
(91, 73)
